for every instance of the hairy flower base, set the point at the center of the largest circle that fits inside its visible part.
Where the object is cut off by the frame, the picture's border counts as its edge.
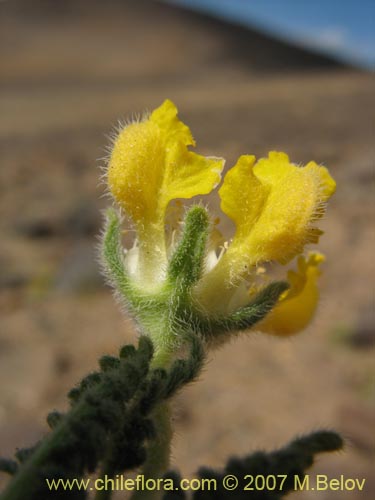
(169, 313)
(180, 278)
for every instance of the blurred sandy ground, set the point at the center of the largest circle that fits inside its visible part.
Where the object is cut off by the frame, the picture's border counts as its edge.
(69, 71)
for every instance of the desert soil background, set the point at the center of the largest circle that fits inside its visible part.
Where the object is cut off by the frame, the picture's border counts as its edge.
(69, 71)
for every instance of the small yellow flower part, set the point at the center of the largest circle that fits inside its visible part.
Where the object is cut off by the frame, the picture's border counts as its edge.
(274, 204)
(243, 195)
(150, 165)
(296, 306)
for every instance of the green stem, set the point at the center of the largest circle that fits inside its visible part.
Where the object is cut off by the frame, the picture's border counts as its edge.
(158, 452)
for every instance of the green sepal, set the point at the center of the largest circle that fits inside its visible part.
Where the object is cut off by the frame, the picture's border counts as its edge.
(247, 316)
(187, 262)
(112, 258)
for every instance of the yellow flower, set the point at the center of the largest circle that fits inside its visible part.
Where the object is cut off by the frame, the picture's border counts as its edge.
(274, 204)
(296, 306)
(150, 165)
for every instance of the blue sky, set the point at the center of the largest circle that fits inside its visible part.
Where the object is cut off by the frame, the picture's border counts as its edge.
(345, 28)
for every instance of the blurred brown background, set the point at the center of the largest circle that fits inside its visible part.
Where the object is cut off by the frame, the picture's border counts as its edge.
(69, 71)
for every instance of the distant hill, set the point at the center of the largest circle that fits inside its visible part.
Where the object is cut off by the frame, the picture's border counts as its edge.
(254, 49)
(135, 40)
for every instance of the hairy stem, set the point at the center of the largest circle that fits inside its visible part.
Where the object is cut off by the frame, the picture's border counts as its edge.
(158, 453)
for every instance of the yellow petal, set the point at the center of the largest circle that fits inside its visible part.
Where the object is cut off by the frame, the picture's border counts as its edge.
(274, 205)
(328, 185)
(243, 195)
(134, 169)
(150, 165)
(165, 117)
(297, 305)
